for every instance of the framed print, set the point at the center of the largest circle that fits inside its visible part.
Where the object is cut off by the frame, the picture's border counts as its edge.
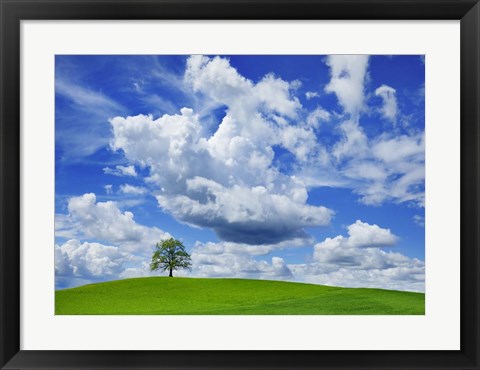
(239, 185)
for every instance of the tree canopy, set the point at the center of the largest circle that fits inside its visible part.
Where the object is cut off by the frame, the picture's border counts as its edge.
(170, 254)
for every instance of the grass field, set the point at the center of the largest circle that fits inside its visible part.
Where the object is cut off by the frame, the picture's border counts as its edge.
(195, 296)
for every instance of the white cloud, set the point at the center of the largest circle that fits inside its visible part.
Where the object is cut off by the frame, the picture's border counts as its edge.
(389, 109)
(419, 220)
(159, 104)
(164, 144)
(108, 188)
(311, 94)
(386, 168)
(362, 234)
(86, 98)
(89, 260)
(275, 94)
(103, 243)
(353, 144)
(366, 170)
(397, 150)
(105, 222)
(217, 77)
(359, 249)
(403, 158)
(219, 260)
(359, 261)
(247, 249)
(121, 171)
(221, 82)
(410, 277)
(133, 190)
(64, 226)
(347, 73)
(317, 116)
(79, 263)
(300, 141)
(80, 124)
(137, 87)
(242, 214)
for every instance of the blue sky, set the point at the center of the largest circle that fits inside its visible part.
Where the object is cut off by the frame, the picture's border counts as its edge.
(297, 168)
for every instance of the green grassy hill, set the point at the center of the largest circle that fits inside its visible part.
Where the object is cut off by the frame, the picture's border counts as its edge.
(194, 296)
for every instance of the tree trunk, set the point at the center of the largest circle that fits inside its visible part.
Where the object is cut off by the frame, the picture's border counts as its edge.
(171, 275)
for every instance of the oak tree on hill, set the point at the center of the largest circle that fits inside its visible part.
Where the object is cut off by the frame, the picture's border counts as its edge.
(170, 255)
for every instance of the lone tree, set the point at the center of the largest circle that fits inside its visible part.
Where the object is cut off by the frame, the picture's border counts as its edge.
(170, 255)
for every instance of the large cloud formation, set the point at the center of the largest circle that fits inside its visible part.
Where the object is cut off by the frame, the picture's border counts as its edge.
(101, 242)
(227, 180)
(197, 168)
(357, 260)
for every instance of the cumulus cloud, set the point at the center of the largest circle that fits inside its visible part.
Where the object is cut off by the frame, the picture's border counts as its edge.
(228, 260)
(388, 95)
(79, 263)
(105, 222)
(358, 261)
(133, 190)
(224, 84)
(89, 260)
(362, 234)
(227, 180)
(347, 74)
(358, 249)
(269, 218)
(121, 171)
(311, 94)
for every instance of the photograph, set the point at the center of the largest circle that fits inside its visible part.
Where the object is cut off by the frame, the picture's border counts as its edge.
(190, 185)
(239, 184)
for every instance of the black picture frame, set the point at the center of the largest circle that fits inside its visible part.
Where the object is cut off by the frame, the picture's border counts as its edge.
(14, 11)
